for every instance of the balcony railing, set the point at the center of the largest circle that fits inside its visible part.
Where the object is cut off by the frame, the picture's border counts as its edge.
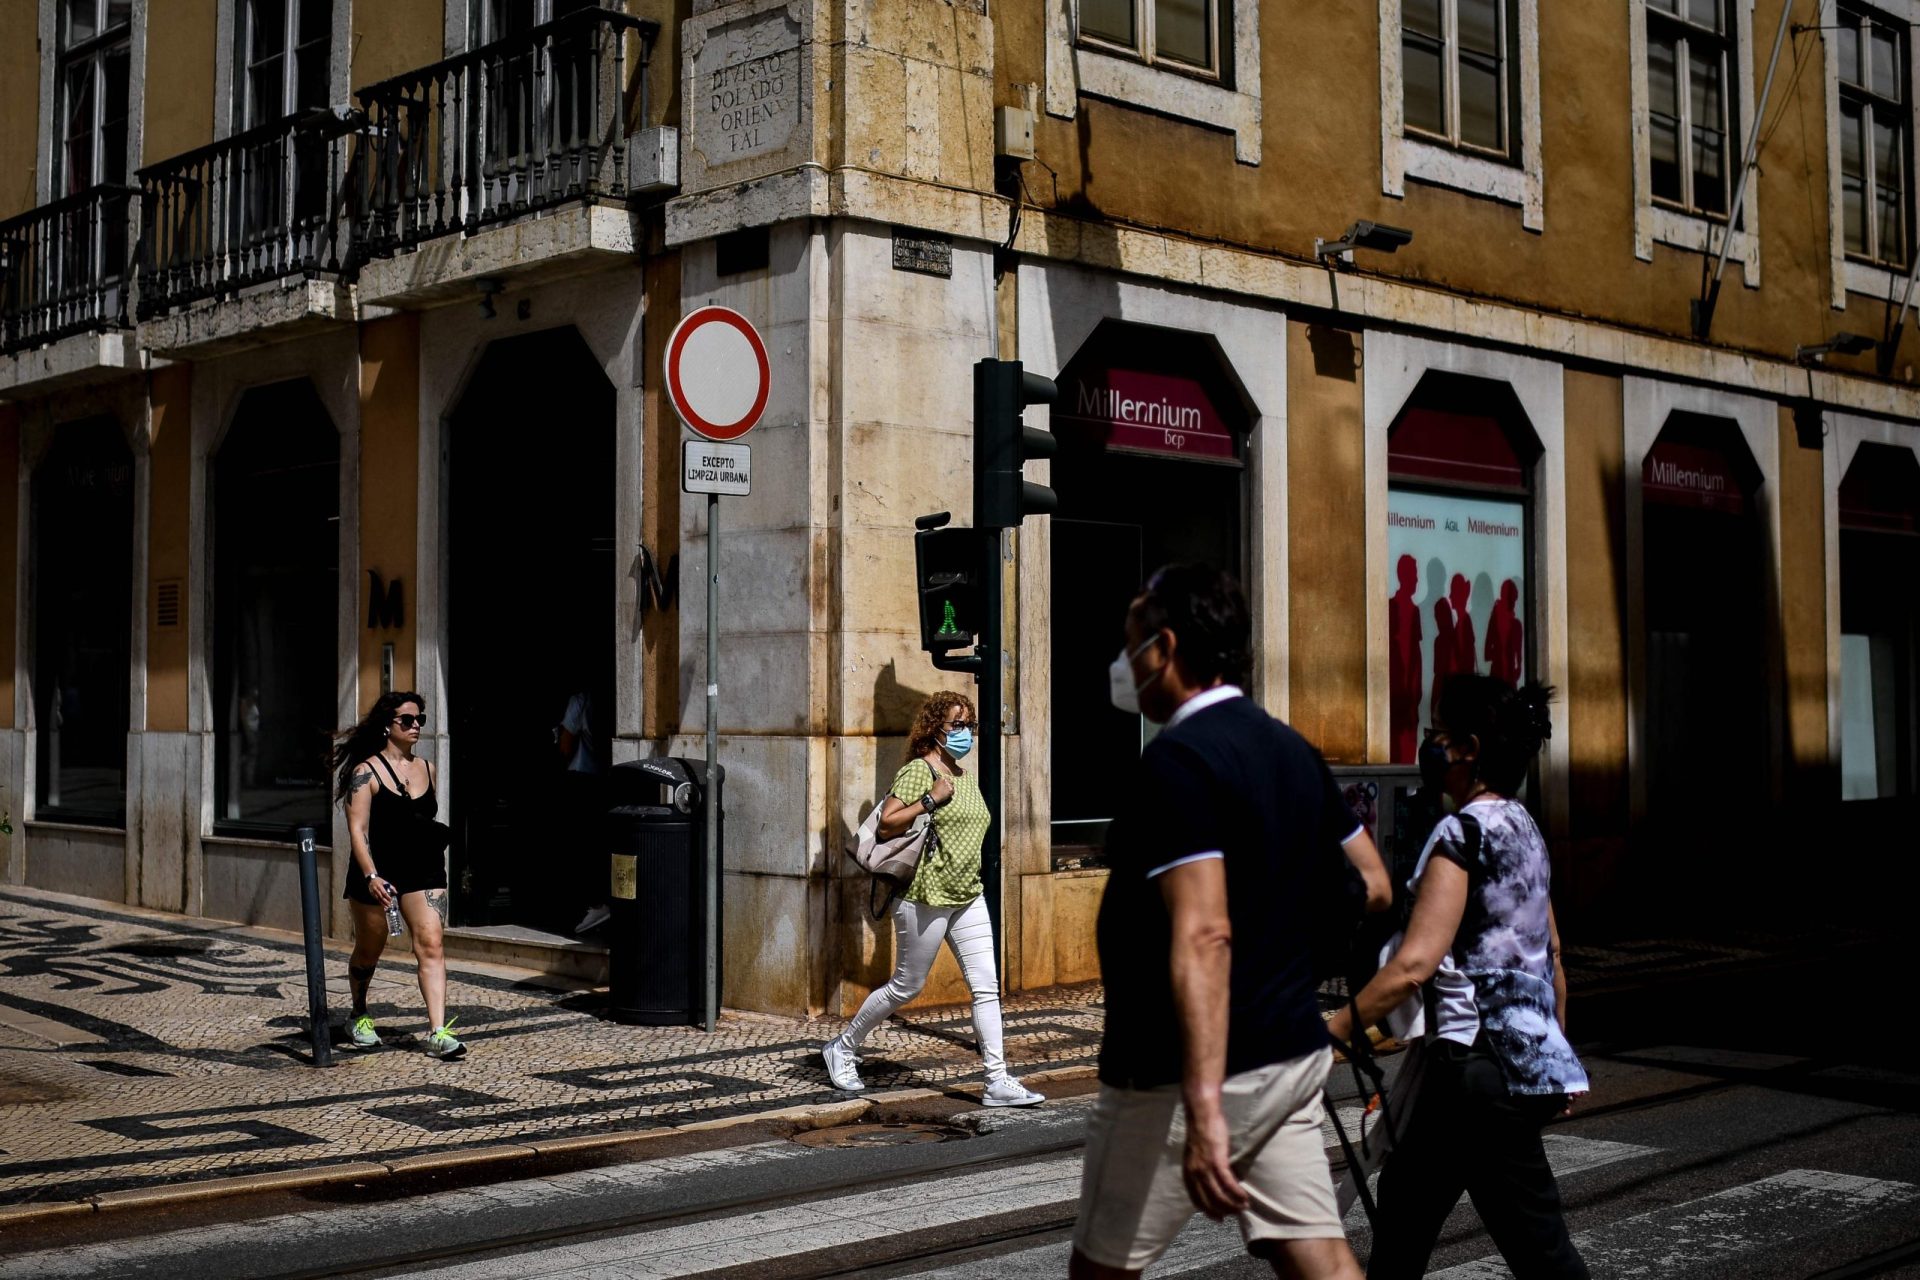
(260, 205)
(63, 268)
(519, 125)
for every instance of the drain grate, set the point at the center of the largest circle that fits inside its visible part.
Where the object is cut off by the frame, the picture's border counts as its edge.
(879, 1135)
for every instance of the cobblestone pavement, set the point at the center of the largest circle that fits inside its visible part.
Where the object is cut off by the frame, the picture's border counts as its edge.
(138, 1049)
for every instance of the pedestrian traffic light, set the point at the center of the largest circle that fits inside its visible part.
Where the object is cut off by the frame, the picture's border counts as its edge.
(947, 569)
(1002, 443)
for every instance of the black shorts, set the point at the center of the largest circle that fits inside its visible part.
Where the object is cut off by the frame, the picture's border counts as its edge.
(408, 875)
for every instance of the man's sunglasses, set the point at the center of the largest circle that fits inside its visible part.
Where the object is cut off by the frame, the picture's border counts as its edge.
(406, 721)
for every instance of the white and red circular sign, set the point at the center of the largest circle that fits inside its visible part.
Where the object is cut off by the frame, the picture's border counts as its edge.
(717, 373)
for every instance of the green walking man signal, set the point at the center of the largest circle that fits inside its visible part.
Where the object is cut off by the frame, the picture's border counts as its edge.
(947, 568)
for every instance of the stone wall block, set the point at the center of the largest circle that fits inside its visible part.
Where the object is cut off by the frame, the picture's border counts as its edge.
(938, 452)
(874, 84)
(884, 675)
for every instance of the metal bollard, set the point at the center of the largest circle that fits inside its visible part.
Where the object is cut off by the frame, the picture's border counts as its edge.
(316, 957)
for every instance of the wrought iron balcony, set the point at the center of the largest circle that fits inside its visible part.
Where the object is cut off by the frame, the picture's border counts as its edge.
(260, 205)
(523, 124)
(64, 268)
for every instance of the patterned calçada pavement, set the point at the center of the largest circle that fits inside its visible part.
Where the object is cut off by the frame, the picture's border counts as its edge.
(139, 1049)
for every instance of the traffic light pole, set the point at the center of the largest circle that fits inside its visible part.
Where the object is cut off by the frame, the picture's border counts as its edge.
(992, 738)
(1002, 498)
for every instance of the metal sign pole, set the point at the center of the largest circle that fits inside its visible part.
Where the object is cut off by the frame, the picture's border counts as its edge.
(317, 1023)
(713, 791)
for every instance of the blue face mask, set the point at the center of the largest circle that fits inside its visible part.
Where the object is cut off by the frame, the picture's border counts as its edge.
(959, 742)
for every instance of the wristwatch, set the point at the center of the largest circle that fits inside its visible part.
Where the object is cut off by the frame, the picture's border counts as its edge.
(928, 803)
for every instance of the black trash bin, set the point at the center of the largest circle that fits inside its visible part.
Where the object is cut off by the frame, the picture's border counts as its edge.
(657, 935)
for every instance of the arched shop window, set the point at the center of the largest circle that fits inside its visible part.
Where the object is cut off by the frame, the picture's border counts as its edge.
(1705, 591)
(1152, 427)
(82, 623)
(1879, 624)
(1459, 468)
(276, 567)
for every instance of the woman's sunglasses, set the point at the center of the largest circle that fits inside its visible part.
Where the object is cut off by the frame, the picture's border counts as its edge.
(406, 721)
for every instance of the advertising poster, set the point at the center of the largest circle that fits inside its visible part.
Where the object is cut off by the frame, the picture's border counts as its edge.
(1458, 574)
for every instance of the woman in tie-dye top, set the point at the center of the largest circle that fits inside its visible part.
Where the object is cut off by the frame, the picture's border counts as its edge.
(1483, 952)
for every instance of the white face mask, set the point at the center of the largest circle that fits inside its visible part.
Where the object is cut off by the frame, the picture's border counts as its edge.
(1120, 686)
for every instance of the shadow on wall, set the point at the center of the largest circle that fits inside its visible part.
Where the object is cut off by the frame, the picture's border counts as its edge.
(1335, 354)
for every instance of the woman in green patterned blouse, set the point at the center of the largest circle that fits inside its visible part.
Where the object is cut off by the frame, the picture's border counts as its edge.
(944, 902)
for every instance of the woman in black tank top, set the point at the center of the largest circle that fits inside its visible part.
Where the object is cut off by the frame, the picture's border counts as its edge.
(399, 851)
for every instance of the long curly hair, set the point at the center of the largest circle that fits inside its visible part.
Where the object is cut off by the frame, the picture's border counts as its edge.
(930, 722)
(365, 740)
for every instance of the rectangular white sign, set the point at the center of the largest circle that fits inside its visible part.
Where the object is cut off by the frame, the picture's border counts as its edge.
(716, 468)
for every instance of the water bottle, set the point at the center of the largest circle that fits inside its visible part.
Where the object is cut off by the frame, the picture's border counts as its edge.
(395, 925)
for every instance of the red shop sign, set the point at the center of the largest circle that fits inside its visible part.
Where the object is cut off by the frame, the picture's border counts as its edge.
(1685, 475)
(1132, 411)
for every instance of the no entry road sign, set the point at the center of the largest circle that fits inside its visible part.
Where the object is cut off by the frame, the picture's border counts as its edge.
(717, 373)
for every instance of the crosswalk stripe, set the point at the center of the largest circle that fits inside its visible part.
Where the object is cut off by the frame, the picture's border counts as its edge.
(1205, 1244)
(1739, 1220)
(415, 1218)
(769, 1234)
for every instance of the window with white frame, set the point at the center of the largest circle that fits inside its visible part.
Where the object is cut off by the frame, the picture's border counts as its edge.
(1690, 84)
(1876, 112)
(285, 51)
(1182, 35)
(1460, 100)
(92, 80)
(1457, 73)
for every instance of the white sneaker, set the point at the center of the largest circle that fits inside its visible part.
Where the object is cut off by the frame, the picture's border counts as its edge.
(1008, 1092)
(839, 1059)
(595, 917)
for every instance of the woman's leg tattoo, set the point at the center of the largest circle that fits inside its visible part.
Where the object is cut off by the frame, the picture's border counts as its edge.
(437, 899)
(359, 978)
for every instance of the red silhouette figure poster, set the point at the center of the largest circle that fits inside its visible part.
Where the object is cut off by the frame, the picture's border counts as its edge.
(1461, 561)
(1460, 595)
(1446, 653)
(1505, 633)
(1403, 660)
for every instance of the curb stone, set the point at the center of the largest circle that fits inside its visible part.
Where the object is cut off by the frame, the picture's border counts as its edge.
(817, 1115)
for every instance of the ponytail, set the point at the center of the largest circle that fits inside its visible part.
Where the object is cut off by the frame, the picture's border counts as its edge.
(1511, 725)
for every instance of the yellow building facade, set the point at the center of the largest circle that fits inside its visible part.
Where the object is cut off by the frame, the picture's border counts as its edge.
(331, 338)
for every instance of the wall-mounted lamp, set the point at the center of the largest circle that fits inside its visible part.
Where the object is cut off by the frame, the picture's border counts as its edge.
(1361, 235)
(489, 286)
(1840, 344)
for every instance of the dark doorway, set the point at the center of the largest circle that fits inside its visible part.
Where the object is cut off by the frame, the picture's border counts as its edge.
(1708, 705)
(531, 483)
(1152, 433)
(82, 621)
(1880, 625)
(276, 611)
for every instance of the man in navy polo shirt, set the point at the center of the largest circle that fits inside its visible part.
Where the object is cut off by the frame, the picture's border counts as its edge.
(1214, 1054)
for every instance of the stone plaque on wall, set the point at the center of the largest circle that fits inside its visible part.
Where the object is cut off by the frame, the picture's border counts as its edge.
(746, 88)
(922, 251)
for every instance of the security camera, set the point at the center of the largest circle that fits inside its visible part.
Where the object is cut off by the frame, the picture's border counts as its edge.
(1363, 234)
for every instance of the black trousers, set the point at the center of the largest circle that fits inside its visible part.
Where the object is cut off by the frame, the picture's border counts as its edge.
(1468, 1134)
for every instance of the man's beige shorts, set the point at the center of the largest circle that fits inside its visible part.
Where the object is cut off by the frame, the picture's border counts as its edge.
(1133, 1200)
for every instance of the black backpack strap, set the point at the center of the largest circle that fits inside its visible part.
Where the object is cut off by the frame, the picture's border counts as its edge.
(1475, 836)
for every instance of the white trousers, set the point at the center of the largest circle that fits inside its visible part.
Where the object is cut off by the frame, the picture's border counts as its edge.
(918, 930)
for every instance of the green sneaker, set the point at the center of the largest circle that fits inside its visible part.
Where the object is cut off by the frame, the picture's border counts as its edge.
(443, 1044)
(361, 1032)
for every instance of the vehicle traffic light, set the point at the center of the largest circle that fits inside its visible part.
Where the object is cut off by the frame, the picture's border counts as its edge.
(1002, 442)
(947, 569)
